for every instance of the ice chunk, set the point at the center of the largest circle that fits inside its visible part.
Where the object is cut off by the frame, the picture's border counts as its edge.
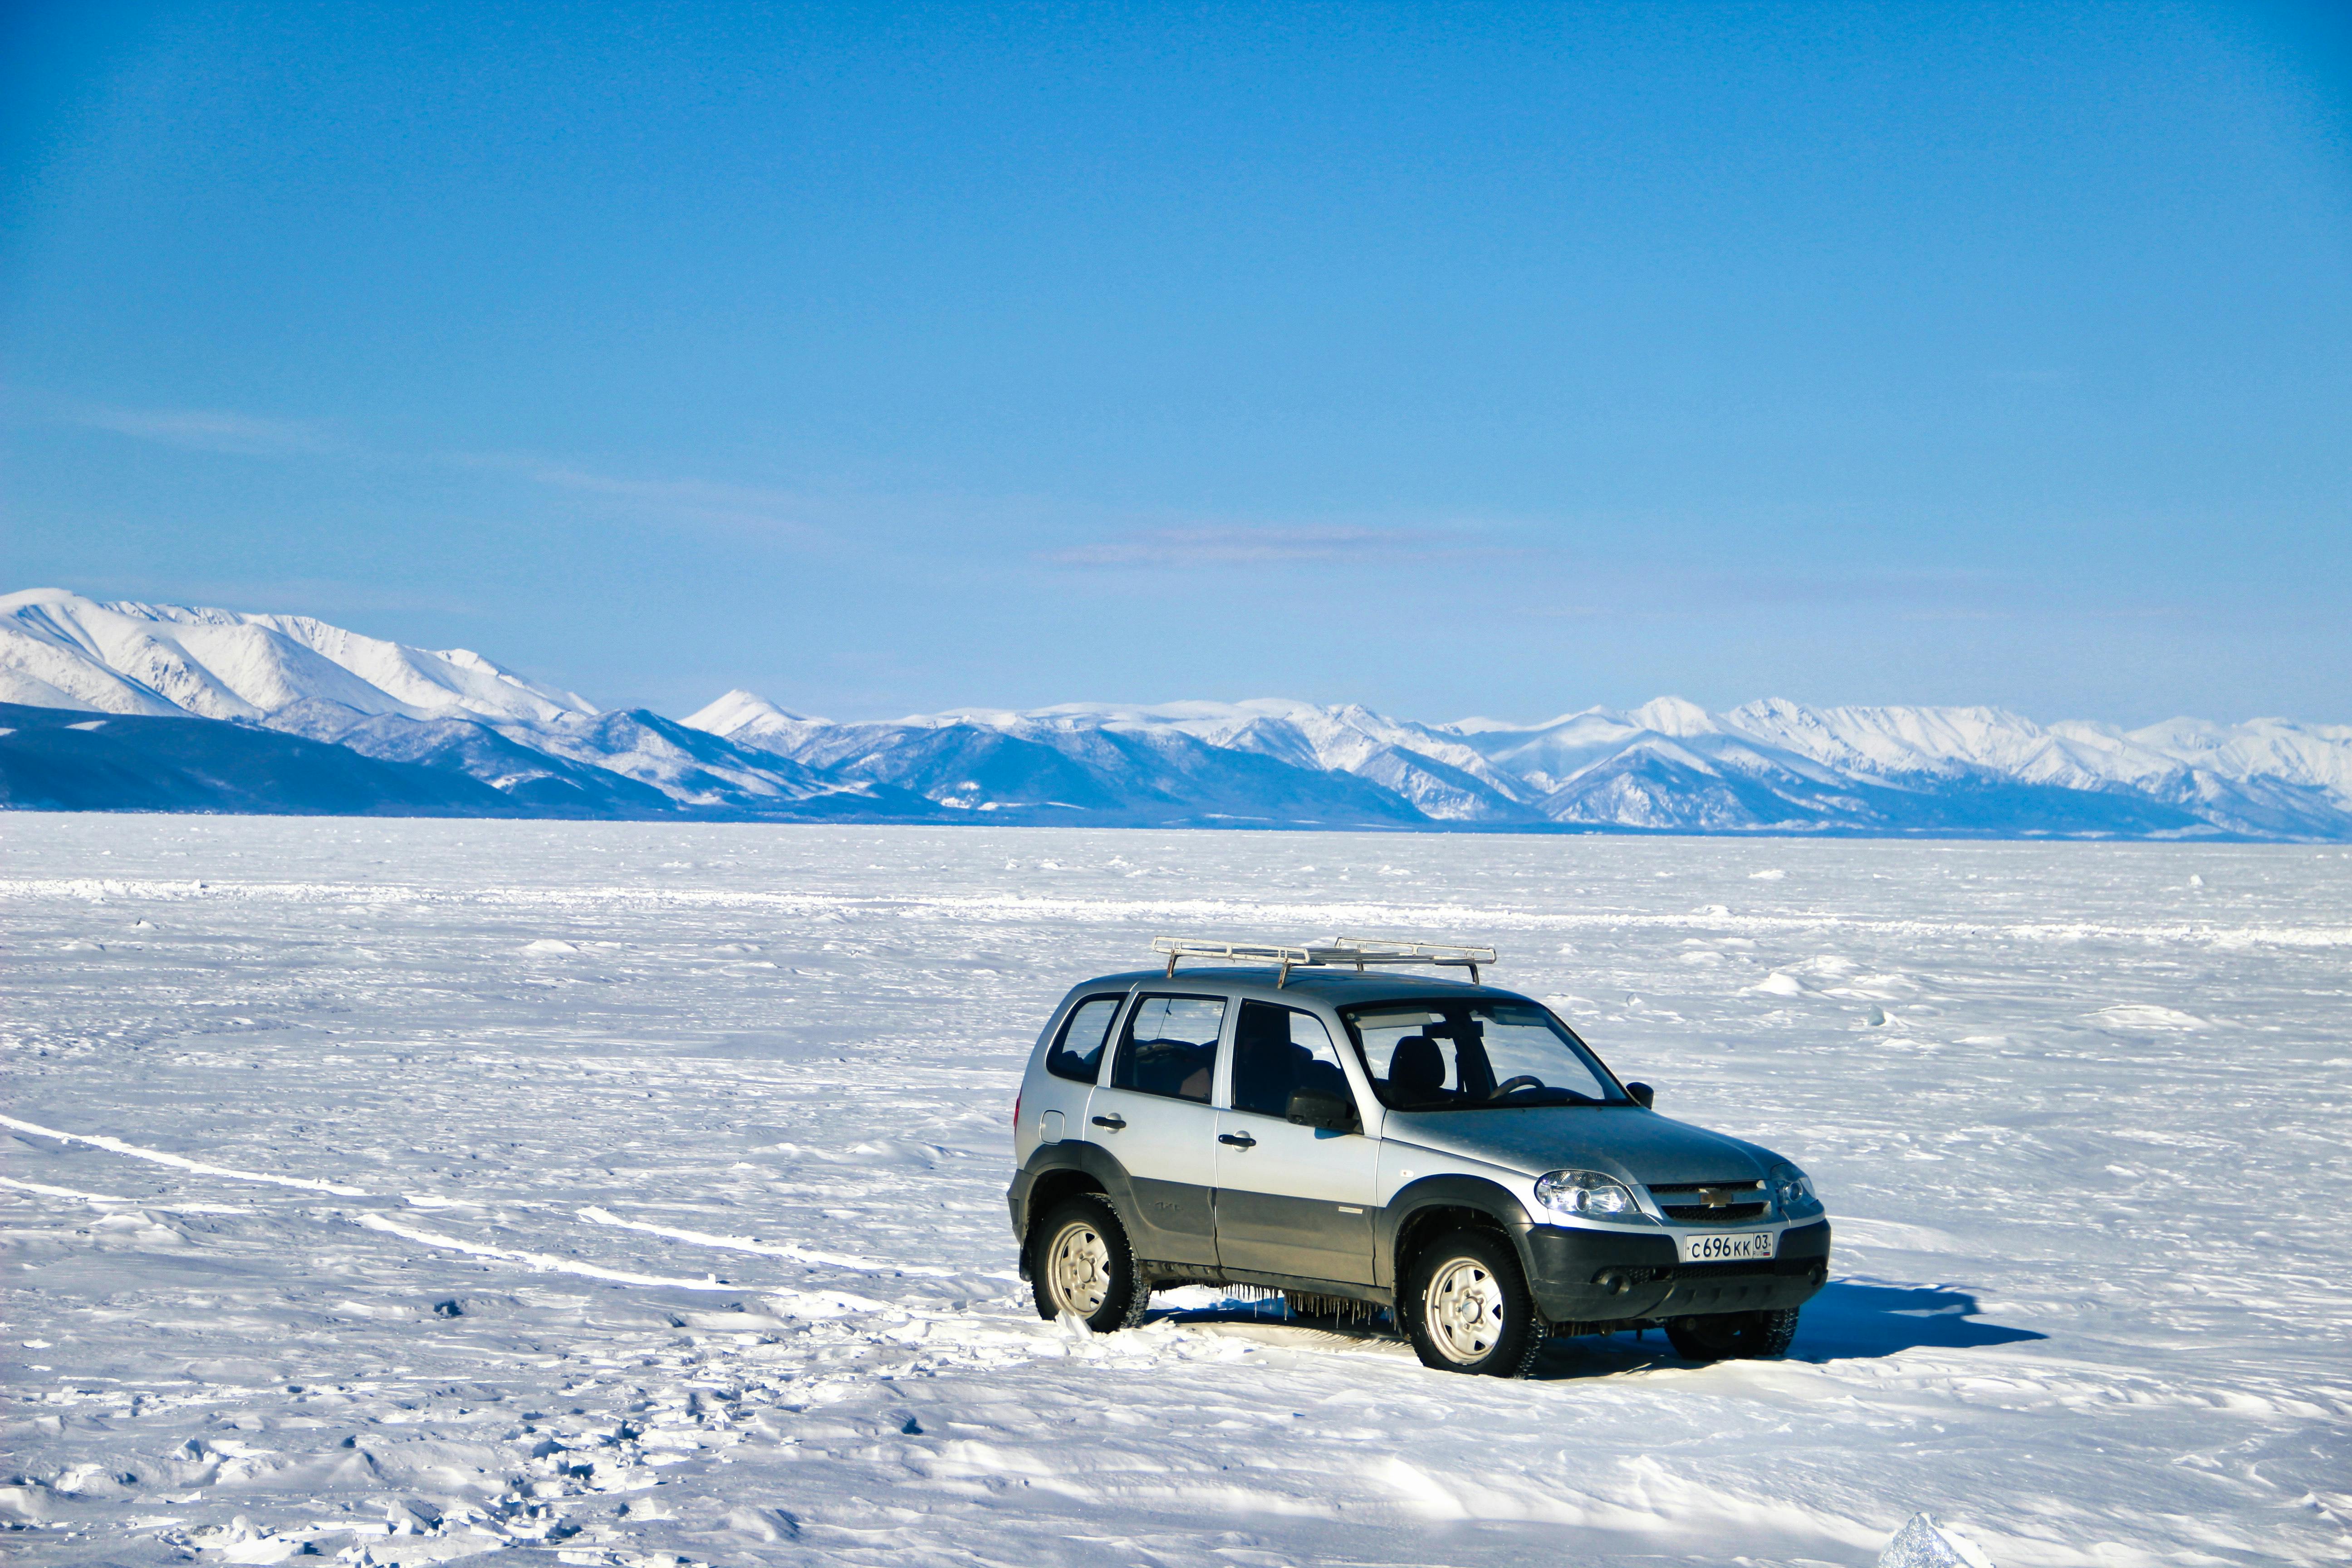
(1923, 1544)
(2148, 1015)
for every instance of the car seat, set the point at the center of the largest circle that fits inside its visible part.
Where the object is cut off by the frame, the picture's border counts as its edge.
(1417, 1069)
(1265, 1065)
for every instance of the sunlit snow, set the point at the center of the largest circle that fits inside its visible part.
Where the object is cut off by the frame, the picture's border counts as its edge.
(398, 1191)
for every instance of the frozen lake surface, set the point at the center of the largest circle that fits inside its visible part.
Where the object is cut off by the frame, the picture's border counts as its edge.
(634, 1194)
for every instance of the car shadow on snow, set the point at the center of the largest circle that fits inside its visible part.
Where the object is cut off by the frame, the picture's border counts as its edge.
(1852, 1319)
(1847, 1319)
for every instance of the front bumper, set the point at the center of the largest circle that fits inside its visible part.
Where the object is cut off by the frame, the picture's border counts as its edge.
(1611, 1277)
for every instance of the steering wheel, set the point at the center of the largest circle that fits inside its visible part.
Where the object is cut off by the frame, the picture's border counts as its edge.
(1524, 1080)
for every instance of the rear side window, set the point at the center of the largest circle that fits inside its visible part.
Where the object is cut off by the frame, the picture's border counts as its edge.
(1170, 1047)
(1078, 1051)
(1279, 1051)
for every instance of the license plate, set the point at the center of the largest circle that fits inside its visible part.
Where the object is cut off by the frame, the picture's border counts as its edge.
(1733, 1247)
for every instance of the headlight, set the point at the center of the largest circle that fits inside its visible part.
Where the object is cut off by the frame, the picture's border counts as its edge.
(1588, 1194)
(1793, 1191)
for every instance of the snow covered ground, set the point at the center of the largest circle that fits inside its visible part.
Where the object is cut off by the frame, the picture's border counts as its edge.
(628, 1194)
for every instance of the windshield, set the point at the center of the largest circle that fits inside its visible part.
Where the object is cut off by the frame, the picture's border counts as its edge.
(1441, 1055)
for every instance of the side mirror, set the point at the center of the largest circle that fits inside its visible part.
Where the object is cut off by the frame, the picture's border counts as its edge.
(1642, 1094)
(1321, 1108)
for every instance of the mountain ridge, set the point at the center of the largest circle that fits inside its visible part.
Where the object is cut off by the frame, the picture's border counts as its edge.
(1669, 765)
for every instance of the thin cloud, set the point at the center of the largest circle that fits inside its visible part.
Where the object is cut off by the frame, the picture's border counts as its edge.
(1234, 545)
(213, 430)
(1961, 613)
(1946, 594)
(225, 431)
(689, 500)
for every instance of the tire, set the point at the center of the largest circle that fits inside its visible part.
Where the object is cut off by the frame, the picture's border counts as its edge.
(1733, 1336)
(1080, 1262)
(1465, 1306)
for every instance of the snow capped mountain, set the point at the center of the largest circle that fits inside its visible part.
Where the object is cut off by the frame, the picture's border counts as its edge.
(2318, 755)
(1110, 764)
(1439, 777)
(753, 720)
(59, 650)
(60, 759)
(1669, 765)
(546, 750)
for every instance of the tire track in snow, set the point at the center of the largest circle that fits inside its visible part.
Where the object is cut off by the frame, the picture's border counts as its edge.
(117, 1146)
(803, 1303)
(764, 1249)
(537, 1261)
(103, 1200)
(540, 1262)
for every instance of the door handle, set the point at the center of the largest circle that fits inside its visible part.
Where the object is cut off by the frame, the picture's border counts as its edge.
(1113, 1122)
(1238, 1139)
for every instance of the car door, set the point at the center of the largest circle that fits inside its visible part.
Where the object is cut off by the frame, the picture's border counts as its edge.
(1291, 1199)
(1154, 1116)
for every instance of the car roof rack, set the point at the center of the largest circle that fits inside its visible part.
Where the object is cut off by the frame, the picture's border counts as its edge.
(1359, 953)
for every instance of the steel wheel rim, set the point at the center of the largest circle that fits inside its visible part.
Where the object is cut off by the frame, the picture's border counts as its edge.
(1464, 1309)
(1079, 1267)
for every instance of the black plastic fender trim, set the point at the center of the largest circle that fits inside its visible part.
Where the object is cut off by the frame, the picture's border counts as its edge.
(1090, 1160)
(1477, 1194)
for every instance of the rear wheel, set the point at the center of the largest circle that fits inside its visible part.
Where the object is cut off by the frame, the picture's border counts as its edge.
(1466, 1309)
(1080, 1263)
(1733, 1336)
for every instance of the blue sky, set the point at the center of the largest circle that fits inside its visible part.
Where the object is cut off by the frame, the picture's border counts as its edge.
(1495, 358)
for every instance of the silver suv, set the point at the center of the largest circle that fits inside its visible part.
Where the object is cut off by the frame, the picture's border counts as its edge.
(1362, 1140)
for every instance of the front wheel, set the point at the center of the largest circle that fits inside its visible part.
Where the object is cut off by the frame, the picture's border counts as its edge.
(1081, 1264)
(1733, 1336)
(1466, 1309)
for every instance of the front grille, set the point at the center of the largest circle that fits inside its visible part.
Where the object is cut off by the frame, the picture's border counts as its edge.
(1717, 1202)
(1700, 1213)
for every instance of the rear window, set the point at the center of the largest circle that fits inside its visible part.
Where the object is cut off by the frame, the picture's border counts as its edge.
(1079, 1049)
